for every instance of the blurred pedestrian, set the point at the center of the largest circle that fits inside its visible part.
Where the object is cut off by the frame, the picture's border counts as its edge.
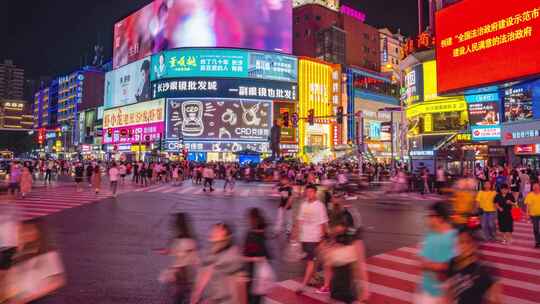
(486, 204)
(208, 175)
(122, 170)
(470, 280)
(113, 178)
(183, 248)
(532, 201)
(309, 229)
(505, 201)
(438, 248)
(257, 255)
(79, 175)
(284, 217)
(96, 178)
(37, 269)
(222, 274)
(26, 181)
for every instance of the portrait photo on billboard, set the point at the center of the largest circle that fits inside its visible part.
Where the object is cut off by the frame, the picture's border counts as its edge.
(128, 84)
(518, 103)
(218, 119)
(484, 113)
(224, 88)
(167, 24)
(479, 43)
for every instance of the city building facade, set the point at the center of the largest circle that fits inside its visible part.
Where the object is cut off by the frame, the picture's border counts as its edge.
(11, 81)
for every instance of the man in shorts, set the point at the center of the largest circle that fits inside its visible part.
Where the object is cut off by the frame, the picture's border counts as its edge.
(310, 228)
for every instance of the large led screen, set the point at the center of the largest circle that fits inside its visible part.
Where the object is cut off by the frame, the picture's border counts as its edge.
(167, 24)
(217, 119)
(180, 63)
(518, 103)
(480, 42)
(224, 88)
(128, 84)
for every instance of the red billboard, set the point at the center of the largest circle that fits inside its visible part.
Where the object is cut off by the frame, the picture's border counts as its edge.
(167, 24)
(482, 42)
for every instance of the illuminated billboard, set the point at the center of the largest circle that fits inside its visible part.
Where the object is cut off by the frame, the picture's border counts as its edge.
(128, 84)
(518, 102)
(168, 24)
(479, 43)
(140, 121)
(224, 88)
(218, 119)
(180, 63)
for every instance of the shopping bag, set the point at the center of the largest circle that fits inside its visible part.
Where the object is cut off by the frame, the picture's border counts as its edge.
(293, 252)
(264, 278)
(517, 214)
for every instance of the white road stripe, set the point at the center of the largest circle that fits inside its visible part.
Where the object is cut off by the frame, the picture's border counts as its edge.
(489, 253)
(512, 246)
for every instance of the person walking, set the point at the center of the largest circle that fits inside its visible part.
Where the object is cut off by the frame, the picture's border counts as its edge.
(113, 178)
(208, 175)
(486, 203)
(438, 248)
(440, 180)
(14, 179)
(505, 201)
(122, 170)
(79, 175)
(89, 172)
(532, 201)
(310, 228)
(96, 178)
(26, 181)
(229, 178)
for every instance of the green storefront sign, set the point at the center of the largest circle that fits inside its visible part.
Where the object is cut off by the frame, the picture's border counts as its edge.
(184, 63)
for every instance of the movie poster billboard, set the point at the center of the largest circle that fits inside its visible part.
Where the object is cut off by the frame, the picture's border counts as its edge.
(128, 84)
(168, 24)
(518, 103)
(218, 119)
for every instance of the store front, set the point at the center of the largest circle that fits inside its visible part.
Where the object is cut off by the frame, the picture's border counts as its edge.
(523, 143)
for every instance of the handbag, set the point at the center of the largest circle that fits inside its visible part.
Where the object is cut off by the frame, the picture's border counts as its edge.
(264, 278)
(517, 214)
(293, 252)
(473, 222)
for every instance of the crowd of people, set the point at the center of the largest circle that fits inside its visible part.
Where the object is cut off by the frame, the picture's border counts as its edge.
(313, 223)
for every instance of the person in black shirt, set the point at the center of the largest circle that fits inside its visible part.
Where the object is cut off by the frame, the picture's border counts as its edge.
(471, 281)
(79, 174)
(504, 202)
(285, 206)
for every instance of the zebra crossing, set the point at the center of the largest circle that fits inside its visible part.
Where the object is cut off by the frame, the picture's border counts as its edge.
(187, 188)
(394, 275)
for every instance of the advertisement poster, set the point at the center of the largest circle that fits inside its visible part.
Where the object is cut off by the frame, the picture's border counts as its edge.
(224, 88)
(518, 103)
(127, 85)
(485, 43)
(181, 63)
(194, 146)
(414, 85)
(217, 119)
(169, 24)
(288, 135)
(484, 113)
(141, 113)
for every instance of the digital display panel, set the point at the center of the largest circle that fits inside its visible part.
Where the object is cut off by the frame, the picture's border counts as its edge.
(168, 24)
(232, 63)
(224, 88)
(479, 43)
(200, 146)
(484, 113)
(218, 119)
(128, 84)
(518, 103)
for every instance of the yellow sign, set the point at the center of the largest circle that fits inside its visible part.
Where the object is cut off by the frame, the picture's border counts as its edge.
(135, 114)
(436, 107)
(428, 123)
(137, 148)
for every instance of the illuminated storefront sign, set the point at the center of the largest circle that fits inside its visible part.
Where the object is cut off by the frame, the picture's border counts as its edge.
(195, 146)
(521, 133)
(288, 135)
(422, 153)
(485, 43)
(224, 88)
(486, 133)
(526, 149)
(484, 115)
(414, 85)
(139, 122)
(436, 107)
(218, 119)
(349, 11)
(330, 4)
(182, 63)
(518, 101)
(13, 106)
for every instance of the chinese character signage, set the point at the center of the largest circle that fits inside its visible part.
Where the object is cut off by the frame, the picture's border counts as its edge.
(414, 85)
(484, 114)
(169, 24)
(485, 43)
(224, 88)
(232, 63)
(128, 84)
(218, 119)
(139, 120)
(195, 146)
(518, 102)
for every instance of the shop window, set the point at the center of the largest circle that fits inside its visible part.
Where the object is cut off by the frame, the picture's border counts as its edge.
(318, 18)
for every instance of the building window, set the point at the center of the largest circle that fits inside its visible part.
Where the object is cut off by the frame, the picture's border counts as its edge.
(297, 19)
(306, 33)
(366, 49)
(306, 17)
(296, 35)
(318, 18)
(366, 36)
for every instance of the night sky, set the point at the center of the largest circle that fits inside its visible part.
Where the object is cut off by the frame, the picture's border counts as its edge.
(52, 37)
